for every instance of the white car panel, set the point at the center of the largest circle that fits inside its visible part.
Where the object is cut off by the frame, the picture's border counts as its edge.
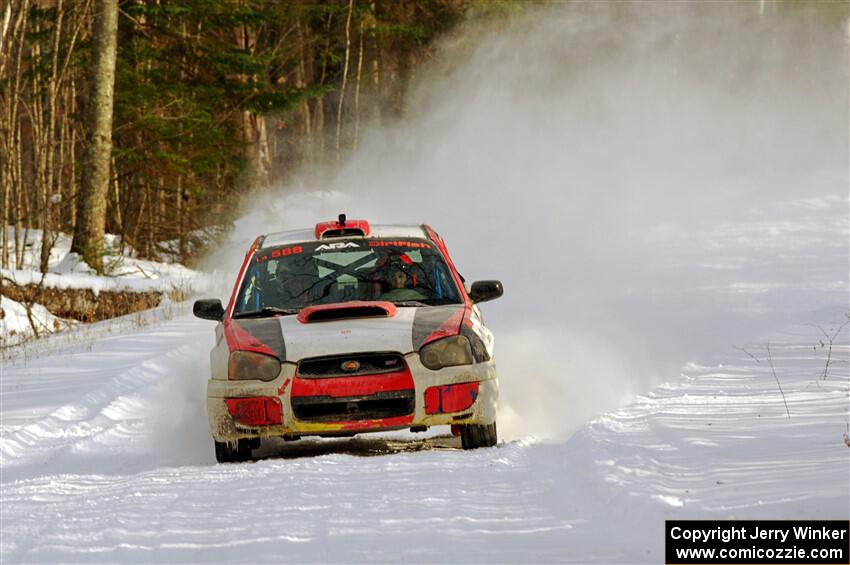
(348, 335)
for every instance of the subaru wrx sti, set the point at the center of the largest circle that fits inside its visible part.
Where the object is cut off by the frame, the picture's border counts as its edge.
(349, 328)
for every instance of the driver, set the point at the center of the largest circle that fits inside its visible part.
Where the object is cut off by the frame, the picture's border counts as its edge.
(399, 282)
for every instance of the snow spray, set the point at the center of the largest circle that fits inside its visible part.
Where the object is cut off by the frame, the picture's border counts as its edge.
(652, 182)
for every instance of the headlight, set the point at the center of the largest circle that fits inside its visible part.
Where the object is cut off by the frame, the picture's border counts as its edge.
(246, 365)
(446, 352)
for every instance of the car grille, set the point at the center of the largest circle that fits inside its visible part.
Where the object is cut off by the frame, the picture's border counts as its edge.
(387, 404)
(368, 364)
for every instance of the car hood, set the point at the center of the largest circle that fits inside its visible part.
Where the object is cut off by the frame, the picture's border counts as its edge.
(292, 340)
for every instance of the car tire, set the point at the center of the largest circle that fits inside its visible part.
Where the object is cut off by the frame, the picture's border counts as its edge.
(229, 453)
(473, 436)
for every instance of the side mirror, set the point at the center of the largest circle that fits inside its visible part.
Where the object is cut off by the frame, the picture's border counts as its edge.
(209, 309)
(483, 291)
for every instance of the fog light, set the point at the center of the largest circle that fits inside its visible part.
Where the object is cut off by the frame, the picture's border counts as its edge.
(450, 398)
(256, 411)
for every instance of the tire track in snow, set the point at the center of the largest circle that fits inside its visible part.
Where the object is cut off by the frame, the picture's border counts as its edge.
(117, 417)
(375, 507)
(732, 418)
(714, 443)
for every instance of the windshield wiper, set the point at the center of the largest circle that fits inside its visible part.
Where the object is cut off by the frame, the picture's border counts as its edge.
(267, 312)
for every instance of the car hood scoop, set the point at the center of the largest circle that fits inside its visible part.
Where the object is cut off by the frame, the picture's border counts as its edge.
(345, 310)
(388, 330)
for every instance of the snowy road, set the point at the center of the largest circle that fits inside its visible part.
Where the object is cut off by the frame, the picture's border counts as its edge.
(106, 458)
(654, 184)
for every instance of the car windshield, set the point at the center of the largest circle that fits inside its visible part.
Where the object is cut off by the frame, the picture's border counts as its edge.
(282, 280)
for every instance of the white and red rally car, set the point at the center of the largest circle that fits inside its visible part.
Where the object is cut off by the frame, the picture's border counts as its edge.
(345, 329)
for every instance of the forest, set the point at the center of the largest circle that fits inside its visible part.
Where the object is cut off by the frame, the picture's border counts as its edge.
(148, 119)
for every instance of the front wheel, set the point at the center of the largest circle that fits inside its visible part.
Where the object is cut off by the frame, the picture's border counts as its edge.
(473, 436)
(229, 453)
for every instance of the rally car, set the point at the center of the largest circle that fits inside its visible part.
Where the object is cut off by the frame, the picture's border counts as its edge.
(349, 328)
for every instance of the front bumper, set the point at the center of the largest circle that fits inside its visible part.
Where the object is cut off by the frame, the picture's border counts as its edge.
(277, 394)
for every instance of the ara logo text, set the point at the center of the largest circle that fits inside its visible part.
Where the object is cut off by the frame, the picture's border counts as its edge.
(337, 245)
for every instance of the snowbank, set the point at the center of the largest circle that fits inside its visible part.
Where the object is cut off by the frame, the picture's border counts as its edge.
(17, 325)
(67, 270)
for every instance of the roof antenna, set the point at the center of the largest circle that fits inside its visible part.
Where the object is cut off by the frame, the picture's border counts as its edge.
(341, 221)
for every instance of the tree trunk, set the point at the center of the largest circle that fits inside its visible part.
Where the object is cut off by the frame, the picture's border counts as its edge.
(344, 78)
(256, 138)
(4, 27)
(357, 88)
(301, 80)
(49, 202)
(91, 219)
(71, 200)
(117, 221)
(376, 70)
(181, 201)
(254, 131)
(11, 55)
(36, 114)
(319, 130)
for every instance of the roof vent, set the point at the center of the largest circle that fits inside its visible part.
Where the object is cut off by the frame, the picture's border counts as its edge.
(342, 228)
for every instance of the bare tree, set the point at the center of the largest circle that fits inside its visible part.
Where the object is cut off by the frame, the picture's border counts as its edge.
(302, 78)
(254, 130)
(12, 83)
(344, 77)
(91, 218)
(357, 88)
(830, 340)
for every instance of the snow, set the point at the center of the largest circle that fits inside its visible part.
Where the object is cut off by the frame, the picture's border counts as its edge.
(105, 453)
(672, 281)
(106, 457)
(155, 278)
(68, 270)
(15, 324)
